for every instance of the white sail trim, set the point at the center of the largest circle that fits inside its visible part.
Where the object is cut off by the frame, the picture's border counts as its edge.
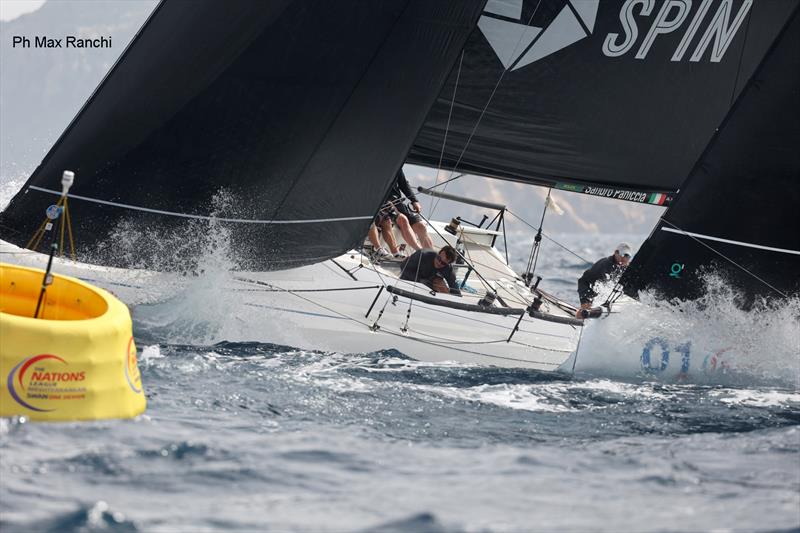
(728, 241)
(201, 217)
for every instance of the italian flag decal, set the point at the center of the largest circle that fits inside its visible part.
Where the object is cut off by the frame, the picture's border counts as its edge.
(657, 198)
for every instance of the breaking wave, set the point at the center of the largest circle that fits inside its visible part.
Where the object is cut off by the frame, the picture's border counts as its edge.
(708, 340)
(197, 308)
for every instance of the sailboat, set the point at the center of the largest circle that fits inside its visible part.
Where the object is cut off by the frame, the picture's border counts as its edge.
(285, 123)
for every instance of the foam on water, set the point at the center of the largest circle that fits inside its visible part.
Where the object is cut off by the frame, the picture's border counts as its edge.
(756, 398)
(250, 436)
(710, 340)
(202, 309)
(10, 187)
(523, 397)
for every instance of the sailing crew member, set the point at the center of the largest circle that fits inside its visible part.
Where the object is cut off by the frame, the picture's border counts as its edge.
(379, 252)
(406, 217)
(433, 269)
(410, 223)
(607, 268)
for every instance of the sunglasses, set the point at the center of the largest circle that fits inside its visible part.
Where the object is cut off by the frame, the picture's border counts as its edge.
(443, 261)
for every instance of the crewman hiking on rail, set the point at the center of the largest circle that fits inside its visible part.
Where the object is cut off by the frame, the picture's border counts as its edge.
(406, 217)
(607, 268)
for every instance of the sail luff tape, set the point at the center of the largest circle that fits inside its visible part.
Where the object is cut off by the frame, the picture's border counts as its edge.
(66, 181)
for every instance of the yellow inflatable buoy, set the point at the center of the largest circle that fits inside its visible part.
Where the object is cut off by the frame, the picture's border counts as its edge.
(76, 361)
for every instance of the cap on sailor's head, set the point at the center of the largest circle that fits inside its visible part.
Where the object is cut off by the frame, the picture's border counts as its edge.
(623, 249)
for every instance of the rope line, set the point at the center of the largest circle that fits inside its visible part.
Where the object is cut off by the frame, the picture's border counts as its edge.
(690, 235)
(546, 236)
(491, 96)
(448, 341)
(347, 317)
(201, 217)
(454, 178)
(242, 280)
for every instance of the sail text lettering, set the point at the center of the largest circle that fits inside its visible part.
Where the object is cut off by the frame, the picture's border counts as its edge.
(673, 14)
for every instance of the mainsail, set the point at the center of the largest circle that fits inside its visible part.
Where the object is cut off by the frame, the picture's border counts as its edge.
(596, 97)
(299, 111)
(736, 214)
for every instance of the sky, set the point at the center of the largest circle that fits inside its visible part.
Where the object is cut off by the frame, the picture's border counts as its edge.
(11, 9)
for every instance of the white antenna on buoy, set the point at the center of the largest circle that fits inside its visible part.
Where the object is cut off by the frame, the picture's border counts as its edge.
(66, 181)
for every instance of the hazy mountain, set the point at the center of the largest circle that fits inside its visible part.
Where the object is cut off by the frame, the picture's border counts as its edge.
(581, 213)
(41, 90)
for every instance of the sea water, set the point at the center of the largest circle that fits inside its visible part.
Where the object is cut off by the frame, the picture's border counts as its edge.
(254, 436)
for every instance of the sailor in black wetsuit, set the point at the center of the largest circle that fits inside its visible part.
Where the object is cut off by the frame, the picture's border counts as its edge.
(433, 269)
(608, 268)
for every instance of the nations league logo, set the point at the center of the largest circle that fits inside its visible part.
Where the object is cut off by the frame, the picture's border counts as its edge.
(132, 375)
(506, 26)
(43, 377)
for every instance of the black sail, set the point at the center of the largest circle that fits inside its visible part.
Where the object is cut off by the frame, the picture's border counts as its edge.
(736, 216)
(299, 112)
(614, 94)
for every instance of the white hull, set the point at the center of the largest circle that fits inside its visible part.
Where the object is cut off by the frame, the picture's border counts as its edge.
(298, 308)
(690, 344)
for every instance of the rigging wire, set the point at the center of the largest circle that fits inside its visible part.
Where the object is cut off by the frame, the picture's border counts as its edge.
(617, 291)
(435, 201)
(347, 317)
(478, 121)
(491, 97)
(546, 236)
(726, 258)
(439, 166)
(530, 269)
(454, 178)
(450, 112)
(483, 280)
(271, 289)
(514, 297)
(449, 341)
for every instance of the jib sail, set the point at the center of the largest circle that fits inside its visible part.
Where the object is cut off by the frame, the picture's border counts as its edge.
(736, 216)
